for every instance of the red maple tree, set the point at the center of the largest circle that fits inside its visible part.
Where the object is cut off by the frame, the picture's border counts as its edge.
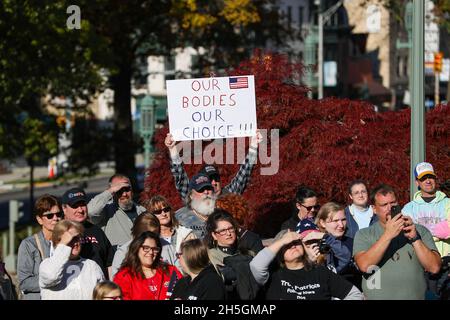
(322, 144)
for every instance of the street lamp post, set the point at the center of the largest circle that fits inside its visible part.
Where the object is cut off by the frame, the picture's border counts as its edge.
(147, 125)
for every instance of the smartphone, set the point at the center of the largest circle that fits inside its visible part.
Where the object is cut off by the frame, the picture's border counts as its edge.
(395, 210)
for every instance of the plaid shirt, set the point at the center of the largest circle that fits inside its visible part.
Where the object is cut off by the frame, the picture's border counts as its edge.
(237, 185)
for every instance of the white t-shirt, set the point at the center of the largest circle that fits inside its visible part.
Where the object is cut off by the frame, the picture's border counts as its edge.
(363, 217)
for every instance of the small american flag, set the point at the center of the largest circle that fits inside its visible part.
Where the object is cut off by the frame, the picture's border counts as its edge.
(238, 83)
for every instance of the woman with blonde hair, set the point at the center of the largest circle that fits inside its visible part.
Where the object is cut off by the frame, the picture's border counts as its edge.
(65, 275)
(202, 281)
(332, 224)
(107, 290)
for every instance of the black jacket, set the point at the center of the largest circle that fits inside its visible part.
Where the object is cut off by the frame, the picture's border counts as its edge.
(208, 285)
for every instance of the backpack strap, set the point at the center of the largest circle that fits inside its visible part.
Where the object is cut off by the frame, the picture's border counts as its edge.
(38, 242)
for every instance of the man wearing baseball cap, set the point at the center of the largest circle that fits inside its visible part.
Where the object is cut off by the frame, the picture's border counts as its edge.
(95, 244)
(430, 207)
(201, 201)
(237, 185)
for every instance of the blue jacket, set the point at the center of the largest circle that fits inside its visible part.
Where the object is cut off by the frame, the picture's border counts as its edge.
(341, 252)
(352, 226)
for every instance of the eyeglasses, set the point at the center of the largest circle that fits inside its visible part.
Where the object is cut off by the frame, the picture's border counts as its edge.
(50, 215)
(224, 231)
(159, 211)
(203, 189)
(309, 208)
(427, 176)
(113, 298)
(148, 249)
(77, 205)
(124, 189)
(357, 193)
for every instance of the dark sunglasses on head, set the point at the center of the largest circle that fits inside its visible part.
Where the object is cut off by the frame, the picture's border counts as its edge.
(309, 208)
(159, 211)
(77, 205)
(50, 215)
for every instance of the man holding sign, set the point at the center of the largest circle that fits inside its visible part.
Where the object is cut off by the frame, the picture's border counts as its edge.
(237, 185)
(211, 108)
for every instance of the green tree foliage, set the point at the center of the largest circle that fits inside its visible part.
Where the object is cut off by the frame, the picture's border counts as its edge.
(39, 56)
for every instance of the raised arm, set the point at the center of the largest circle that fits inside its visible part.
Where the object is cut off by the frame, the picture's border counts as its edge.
(242, 177)
(176, 167)
(259, 265)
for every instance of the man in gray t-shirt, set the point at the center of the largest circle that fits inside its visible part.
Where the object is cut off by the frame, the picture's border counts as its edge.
(394, 252)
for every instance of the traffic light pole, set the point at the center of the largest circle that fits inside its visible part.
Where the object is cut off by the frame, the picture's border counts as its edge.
(417, 91)
(436, 89)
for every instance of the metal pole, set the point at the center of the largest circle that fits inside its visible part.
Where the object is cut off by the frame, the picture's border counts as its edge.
(436, 88)
(320, 57)
(147, 152)
(417, 92)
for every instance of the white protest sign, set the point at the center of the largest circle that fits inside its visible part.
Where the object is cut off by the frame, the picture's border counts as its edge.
(211, 108)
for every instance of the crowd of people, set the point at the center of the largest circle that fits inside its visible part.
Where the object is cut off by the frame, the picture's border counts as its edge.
(111, 248)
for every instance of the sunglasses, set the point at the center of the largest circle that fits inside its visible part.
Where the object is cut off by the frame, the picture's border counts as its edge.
(309, 208)
(427, 176)
(124, 189)
(50, 215)
(159, 211)
(178, 255)
(294, 243)
(77, 205)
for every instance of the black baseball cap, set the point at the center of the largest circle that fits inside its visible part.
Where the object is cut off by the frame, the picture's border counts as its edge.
(73, 196)
(199, 181)
(211, 171)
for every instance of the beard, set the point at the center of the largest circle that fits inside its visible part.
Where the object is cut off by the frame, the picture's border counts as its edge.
(205, 205)
(125, 205)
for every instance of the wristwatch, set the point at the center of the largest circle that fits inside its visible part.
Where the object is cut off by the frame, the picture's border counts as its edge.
(417, 237)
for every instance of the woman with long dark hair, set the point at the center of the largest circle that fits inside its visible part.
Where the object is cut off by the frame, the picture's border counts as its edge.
(143, 275)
